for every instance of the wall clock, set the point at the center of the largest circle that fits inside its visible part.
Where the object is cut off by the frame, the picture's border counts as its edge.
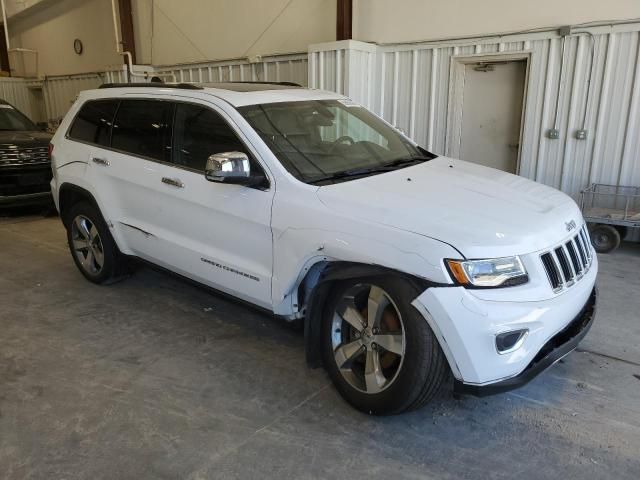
(77, 46)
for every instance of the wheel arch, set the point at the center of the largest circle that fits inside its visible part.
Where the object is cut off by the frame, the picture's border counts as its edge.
(315, 287)
(70, 194)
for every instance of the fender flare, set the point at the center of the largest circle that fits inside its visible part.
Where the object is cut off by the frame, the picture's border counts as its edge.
(80, 192)
(330, 273)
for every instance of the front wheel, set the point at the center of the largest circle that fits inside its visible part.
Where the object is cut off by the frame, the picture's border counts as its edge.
(378, 349)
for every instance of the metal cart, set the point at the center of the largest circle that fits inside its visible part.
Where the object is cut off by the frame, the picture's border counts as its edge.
(610, 211)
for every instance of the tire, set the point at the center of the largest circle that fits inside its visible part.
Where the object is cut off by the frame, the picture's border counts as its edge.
(92, 247)
(622, 231)
(605, 238)
(395, 382)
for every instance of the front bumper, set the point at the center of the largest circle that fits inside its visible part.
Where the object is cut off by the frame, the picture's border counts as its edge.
(41, 198)
(466, 324)
(554, 350)
(25, 185)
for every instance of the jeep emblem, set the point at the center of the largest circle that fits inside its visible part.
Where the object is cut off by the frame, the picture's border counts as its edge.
(570, 225)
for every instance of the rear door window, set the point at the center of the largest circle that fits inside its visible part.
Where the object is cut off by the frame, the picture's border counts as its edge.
(93, 122)
(144, 128)
(199, 133)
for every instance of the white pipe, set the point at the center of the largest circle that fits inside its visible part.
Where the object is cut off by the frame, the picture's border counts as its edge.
(6, 26)
(115, 25)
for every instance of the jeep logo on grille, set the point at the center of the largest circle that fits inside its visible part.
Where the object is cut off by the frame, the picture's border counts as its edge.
(570, 225)
(24, 156)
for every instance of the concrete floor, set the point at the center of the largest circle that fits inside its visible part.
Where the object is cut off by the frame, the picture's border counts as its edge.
(154, 378)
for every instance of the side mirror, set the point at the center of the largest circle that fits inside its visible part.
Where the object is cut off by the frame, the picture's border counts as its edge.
(228, 167)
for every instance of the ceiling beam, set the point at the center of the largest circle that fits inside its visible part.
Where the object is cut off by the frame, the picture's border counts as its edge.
(344, 20)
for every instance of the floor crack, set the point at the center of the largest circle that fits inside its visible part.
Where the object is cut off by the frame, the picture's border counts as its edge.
(611, 357)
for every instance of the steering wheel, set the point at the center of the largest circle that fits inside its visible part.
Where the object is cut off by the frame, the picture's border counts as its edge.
(340, 140)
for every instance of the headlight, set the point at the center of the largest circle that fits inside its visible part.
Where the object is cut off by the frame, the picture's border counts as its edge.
(494, 272)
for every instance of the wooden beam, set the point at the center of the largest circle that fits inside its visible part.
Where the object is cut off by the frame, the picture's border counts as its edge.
(126, 28)
(344, 20)
(4, 55)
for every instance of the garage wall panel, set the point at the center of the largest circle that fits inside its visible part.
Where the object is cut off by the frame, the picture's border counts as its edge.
(596, 84)
(280, 68)
(61, 92)
(17, 92)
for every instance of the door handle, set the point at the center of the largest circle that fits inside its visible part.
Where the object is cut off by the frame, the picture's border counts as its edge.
(174, 182)
(101, 161)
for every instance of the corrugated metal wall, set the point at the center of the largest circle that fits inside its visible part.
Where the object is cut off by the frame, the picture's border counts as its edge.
(51, 97)
(59, 92)
(16, 91)
(410, 86)
(280, 68)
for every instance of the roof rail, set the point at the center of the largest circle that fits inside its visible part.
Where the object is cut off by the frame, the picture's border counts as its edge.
(184, 86)
(284, 84)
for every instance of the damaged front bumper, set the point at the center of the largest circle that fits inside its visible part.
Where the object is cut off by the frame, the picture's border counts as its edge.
(559, 346)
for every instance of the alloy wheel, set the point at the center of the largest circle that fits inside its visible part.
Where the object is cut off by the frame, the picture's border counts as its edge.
(368, 338)
(87, 245)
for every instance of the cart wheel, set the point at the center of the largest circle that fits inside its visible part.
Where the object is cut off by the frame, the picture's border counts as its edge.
(605, 238)
(622, 230)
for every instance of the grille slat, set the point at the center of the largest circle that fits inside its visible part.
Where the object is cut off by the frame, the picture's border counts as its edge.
(573, 256)
(23, 156)
(552, 271)
(581, 252)
(587, 242)
(561, 255)
(567, 263)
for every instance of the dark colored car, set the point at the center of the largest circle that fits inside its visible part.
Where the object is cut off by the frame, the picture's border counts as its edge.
(25, 165)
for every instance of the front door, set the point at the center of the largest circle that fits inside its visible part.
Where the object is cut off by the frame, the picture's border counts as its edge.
(491, 114)
(217, 234)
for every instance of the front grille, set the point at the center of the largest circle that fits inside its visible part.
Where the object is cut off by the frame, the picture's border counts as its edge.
(14, 156)
(567, 263)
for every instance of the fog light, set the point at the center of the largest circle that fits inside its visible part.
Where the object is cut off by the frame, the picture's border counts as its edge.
(507, 342)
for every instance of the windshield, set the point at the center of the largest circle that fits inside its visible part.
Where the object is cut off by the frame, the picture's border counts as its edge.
(11, 119)
(325, 141)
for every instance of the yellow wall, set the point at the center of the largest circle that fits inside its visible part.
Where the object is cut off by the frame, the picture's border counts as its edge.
(181, 31)
(170, 31)
(389, 21)
(52, 28)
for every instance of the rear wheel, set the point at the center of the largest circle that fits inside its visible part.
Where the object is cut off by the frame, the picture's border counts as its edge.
(378, 349)
(605, 238)
(92, 247)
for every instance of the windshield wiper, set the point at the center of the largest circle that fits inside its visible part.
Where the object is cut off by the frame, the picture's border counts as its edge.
(387, 167)
(347, 174)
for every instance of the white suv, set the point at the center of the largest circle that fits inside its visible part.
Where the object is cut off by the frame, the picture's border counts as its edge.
(405, 266)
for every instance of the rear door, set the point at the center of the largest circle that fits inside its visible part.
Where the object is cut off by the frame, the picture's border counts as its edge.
(90, 136)
(124, 173)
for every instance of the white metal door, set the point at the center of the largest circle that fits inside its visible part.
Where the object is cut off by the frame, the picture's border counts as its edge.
(491, 114)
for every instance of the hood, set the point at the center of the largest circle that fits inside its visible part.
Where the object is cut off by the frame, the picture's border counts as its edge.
(480, 211)
(22, 138)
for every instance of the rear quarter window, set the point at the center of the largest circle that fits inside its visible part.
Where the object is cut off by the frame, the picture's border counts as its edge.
(94, 121)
